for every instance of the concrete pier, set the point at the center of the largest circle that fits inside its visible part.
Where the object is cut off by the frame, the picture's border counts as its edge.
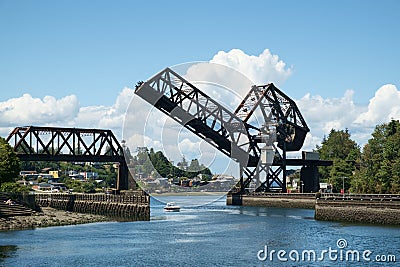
(276, 200)
(353, 208)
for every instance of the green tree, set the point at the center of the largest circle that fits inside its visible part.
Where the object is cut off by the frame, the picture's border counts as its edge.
(80, 187)
(11, 187)
(183, 164)
(194, 166)
(148, 162)
(379, 170)
(161, 164)
(9, 162)
(344, 152)
(147, 168)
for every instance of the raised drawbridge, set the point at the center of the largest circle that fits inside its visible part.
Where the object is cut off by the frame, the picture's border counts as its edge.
(257, 135)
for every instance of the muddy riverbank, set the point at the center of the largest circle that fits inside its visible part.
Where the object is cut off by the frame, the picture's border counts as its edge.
(49, 217)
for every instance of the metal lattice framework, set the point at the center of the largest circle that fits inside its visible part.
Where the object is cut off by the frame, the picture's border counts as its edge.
(281, 112)
(32, 143)
(202, 115)
(278, 109)
(236, 134)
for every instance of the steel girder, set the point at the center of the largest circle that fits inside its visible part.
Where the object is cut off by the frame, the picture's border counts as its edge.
(281, 112)
(202, 115)
(277, 109)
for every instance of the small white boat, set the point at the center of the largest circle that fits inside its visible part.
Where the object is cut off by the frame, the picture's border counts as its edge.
(171, 206)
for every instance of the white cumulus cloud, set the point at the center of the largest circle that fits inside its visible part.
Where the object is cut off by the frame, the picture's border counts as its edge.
(261, 69)
(105, 117)
(28, 110)
(325, 114)
(383, 107)
(322, 115)
(63, 112)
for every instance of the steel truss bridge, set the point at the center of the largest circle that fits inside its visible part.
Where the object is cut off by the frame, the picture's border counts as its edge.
(240, 135)
(32, 143)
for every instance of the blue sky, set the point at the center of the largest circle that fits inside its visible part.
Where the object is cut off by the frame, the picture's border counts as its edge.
(79, 60)
(94, 48)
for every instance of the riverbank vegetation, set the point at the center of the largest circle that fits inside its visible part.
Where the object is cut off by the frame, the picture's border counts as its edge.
(155, 164)
(373, 169)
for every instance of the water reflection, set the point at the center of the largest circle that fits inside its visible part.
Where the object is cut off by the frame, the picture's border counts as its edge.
(7, 251)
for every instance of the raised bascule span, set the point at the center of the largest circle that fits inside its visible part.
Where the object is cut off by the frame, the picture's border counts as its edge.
(240, 135)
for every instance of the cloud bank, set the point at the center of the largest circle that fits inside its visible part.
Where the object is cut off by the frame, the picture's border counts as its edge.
(64, 112)
(29, 110)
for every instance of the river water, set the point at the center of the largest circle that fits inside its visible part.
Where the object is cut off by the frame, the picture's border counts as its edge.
(206, 235)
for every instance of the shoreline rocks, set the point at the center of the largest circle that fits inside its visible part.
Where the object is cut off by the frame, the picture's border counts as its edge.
(49, 217)
(358, 212)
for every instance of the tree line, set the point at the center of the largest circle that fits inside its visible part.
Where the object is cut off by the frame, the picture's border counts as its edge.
(147, 163)
(373, 169)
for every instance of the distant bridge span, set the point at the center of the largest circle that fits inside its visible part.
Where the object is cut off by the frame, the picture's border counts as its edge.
(33, 143)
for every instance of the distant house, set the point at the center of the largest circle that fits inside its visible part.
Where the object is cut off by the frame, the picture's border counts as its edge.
(56, 187)
(23, 182)
(31, 177)
(89, 175)
(187, 183)
(96, 165)
(53, 180)
(25, 173)
(163, 181)
(44, 187)
(78, 177)
(54, 173)
(46, 176)
(46, 170)
(72, 173)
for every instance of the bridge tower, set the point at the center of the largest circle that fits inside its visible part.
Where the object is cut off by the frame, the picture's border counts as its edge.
(281, 123)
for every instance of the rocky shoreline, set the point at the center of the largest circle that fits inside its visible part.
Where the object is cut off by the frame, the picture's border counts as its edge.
(370, 212)
(49, 217)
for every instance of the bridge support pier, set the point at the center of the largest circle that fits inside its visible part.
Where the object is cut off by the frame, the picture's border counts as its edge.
(122, 179)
